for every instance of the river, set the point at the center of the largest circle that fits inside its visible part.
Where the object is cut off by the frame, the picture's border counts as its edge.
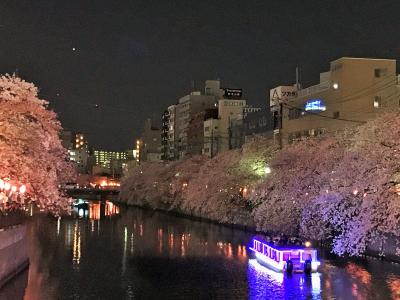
(111, 252)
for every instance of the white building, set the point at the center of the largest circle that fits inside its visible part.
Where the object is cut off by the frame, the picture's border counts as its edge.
(187, 107)
(217, 131)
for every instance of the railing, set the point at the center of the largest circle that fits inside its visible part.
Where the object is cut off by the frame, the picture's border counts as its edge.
(323, 86)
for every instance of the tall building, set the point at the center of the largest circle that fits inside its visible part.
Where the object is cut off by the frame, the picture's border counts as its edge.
(151, 142)
(164, 135)
(171, 151)
(353, 91)
(218, 135)
(104, 158)
(189, 106)
(77, 146)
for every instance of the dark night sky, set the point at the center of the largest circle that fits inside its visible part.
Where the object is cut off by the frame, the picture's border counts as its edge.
(134, 58)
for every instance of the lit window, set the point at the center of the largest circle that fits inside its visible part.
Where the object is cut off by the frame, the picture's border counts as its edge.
(377, 101)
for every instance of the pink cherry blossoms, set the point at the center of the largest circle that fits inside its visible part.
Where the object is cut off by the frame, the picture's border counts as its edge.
(343, 186)
(31, 153)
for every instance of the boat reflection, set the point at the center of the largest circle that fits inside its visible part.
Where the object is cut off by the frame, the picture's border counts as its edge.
(265, 283)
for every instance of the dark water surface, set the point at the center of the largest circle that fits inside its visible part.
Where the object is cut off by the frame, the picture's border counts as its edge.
(119, 253)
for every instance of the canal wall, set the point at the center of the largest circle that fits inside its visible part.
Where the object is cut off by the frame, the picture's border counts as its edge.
(385, 251)
(14, 256)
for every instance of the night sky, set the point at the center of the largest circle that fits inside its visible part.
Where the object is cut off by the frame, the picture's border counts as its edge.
(134, 58)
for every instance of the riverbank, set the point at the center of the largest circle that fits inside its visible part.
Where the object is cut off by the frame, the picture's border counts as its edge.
(373, 252)
(14, 256)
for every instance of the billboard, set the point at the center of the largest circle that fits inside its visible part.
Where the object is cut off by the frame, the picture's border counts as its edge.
(232, 93)
(281, 94)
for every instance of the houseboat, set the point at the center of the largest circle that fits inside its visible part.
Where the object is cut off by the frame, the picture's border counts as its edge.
(288, 258)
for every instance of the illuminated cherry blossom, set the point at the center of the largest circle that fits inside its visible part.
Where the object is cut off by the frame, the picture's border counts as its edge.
(31, 153)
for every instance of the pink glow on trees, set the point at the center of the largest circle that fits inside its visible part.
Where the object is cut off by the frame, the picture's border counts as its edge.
(342, 186)
(339, 187)
(30, 149)
(200, 186)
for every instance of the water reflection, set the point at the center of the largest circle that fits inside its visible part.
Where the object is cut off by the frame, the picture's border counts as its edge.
(267, 284)
(116, 253)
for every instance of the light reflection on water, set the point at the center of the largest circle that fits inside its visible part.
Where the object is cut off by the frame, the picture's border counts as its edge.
(107, 252)
(268, 284)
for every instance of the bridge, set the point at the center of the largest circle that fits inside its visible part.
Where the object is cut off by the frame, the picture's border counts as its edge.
(93, 193)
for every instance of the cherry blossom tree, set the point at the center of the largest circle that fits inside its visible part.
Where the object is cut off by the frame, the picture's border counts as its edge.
(341, 186)
(31, 153)
(212, 188)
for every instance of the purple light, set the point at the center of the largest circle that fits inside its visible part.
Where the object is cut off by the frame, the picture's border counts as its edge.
(276, 257)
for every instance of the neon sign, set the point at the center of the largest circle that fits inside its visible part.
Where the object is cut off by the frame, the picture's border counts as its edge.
(315, 105)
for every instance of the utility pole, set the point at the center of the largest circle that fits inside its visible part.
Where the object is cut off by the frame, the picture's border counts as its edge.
(212, 142)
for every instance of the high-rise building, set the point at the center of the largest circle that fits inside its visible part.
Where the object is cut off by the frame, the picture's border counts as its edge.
(104, 158)
(164, 135)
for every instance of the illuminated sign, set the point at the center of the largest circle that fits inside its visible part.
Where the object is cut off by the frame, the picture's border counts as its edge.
(232, 93)
(315, 105)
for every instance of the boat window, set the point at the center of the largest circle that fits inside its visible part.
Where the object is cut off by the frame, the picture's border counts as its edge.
(273, 254)
(305, 256)
(295, 255)
(286, 256)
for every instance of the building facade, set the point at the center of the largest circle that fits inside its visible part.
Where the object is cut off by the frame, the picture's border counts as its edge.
(353, 91)
(164, 135)
(151, 142)
(104, 158)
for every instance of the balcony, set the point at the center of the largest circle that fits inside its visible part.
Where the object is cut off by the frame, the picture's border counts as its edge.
(314, 89)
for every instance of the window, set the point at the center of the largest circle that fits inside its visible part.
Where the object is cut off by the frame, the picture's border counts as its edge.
(377, 101)
(207, 128)
(336, 114)
(380, 73)
(294, 113)
(206, 150)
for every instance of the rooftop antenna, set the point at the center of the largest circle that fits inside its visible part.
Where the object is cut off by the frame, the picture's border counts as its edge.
(192, 85)
(298, 86)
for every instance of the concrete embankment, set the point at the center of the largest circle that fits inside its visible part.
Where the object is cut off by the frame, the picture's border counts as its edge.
(14, 255)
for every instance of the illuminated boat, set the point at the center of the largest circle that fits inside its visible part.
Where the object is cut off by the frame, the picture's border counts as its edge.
(296, 259)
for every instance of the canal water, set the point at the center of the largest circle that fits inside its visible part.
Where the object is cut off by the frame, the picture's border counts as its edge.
(111, 252)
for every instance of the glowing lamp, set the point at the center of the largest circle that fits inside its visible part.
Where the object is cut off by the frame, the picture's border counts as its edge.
(355, 192)
(7, 186)
(335, 86)
(22, 189)
(13, 188)
(307, 244)
(267, 170)
(1, 184)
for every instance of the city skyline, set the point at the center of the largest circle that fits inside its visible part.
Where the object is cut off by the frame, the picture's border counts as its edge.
(119, 63)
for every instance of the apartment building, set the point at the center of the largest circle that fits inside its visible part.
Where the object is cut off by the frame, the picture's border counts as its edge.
(353, 91)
